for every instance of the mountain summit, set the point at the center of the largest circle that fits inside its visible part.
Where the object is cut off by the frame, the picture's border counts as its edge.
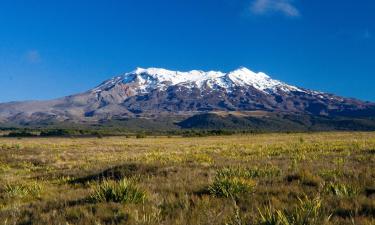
(147, 80)
(154, 92)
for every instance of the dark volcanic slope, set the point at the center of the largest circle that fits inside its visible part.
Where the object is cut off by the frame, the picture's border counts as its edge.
(158, 92)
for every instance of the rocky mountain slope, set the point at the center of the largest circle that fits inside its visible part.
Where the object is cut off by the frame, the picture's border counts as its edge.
(153, 92)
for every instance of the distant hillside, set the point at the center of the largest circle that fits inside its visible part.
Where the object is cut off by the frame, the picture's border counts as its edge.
(277, 123)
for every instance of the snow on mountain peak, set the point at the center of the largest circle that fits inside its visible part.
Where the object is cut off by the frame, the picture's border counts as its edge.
(154, 78)
(176, 77)
(260, 81)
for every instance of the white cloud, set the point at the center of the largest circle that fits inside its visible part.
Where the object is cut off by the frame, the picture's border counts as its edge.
(285, 7)
(33, 56)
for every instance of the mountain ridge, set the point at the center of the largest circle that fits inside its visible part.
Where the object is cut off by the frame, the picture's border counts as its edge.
(153, 78)
(155, 92)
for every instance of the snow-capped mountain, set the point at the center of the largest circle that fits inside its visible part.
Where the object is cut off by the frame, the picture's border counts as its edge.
(155, 78)
(153, 92)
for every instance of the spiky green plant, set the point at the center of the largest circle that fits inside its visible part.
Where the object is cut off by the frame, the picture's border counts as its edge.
(269, 216)
(267, 172)
(123, 191)
(22, 190)
(341, 190)
(307, 212)
(228, 183)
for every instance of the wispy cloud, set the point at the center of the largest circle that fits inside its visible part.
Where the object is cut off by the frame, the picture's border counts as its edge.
(33, 56)
(264, 7)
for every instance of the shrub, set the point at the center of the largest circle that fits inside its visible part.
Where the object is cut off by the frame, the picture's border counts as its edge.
(97, 134)
(55, 133)
(123, 191)
(21, 134)
(206, 133)
(141, 135)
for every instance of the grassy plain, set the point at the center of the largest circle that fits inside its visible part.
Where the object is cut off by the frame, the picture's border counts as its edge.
(307, 178)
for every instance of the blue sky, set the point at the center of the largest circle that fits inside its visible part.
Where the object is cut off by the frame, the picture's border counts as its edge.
(51, 48)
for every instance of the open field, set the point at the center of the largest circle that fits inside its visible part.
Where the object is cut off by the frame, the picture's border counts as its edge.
(317, 178)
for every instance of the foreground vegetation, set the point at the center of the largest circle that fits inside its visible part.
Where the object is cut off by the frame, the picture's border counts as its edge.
(316, 178)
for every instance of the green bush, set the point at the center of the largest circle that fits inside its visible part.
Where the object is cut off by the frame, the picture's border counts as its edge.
(206, 133)
(141, 135)
(123, 191)
(21, 134)
(55, 133)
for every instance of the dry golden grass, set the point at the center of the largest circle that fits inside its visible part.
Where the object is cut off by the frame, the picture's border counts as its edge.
(50, 180)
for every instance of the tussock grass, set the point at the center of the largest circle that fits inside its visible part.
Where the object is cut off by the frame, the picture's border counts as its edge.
(307, 212)
(341, 190)
(33, 189)
(238, 179)
(123, 191)
(249, 173)
(231, 183)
